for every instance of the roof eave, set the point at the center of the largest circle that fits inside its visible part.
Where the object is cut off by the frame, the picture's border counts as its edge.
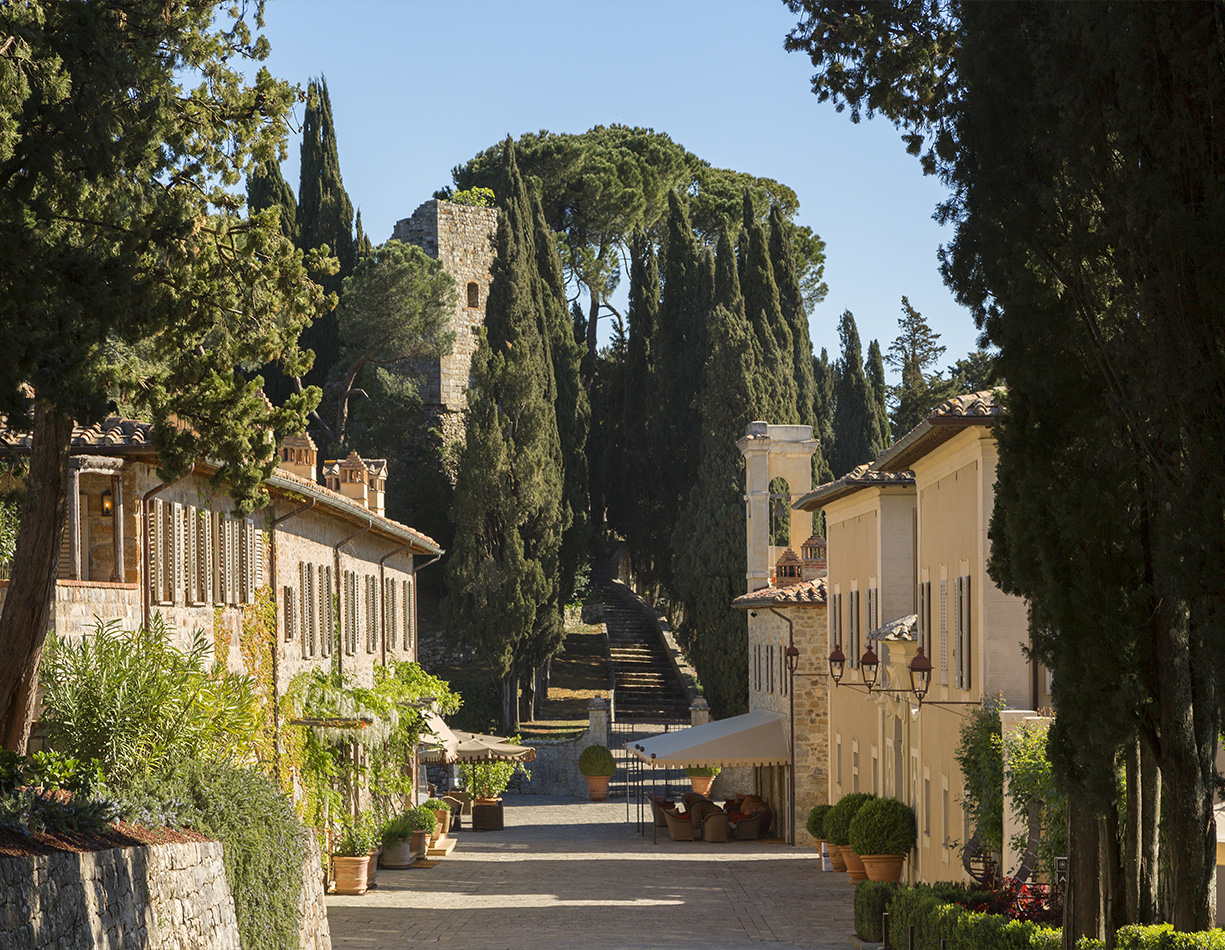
(924, 438)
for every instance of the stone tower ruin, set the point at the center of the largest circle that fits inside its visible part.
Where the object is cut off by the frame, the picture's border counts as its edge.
(461, 237)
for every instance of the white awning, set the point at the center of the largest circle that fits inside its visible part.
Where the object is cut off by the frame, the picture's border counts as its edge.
(756, 738)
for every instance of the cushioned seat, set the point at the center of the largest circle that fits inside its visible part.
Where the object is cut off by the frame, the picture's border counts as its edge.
(658, 807)
(680, 827)
(715, 827)
(750, 827)
(699, 811)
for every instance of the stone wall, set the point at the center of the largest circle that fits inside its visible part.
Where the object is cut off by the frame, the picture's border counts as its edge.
(78, 603)
(555, 770)
(161, 897)
(461, 237)
(312, 909)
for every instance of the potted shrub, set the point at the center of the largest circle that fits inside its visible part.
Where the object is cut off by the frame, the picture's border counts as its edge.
(351, 856)
(485, 781)
(421, 823)
(882, 833)
(442, 811)
(597, 765)
(816, 824)
(838, 830)
(397, 851)
(701, 778)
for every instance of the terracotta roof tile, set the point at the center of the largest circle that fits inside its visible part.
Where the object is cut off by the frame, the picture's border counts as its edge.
(804, 594)
(112, 432)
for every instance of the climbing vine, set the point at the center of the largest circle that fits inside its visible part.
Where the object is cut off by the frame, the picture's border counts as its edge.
(255, 643)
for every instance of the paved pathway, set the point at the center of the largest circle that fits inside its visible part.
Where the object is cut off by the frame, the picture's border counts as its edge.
(571, 875)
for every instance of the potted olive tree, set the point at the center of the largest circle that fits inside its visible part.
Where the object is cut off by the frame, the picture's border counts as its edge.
(882, 833)
(702, 777)
(838, 830)
(597, 765)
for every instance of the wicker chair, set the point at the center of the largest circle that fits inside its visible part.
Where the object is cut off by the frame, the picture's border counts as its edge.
(658, 807)
(750, 827)
(699, 811)
(680, 828)
(715, 826)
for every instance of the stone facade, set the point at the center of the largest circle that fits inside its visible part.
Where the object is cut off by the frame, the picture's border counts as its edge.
(461, 237)
(161, 897)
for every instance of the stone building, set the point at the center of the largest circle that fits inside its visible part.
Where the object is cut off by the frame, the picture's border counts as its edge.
(786, 608)
(329, 579)
(461, 237)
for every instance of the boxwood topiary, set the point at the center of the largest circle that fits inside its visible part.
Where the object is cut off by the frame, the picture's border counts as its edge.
(838, 821)
(816, 820)
(597, 760)
(883, 826)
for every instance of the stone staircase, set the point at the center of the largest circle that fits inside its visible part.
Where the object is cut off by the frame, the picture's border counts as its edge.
(648, 687)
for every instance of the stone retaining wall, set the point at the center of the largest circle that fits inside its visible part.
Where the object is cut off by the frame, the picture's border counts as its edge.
(160, 897)
(555, 770)
(312, 908)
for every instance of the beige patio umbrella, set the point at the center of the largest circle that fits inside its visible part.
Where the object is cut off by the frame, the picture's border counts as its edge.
(477, 747)
(441, 745)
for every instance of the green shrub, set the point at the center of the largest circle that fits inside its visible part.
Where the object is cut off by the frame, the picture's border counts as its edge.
(703, 771)
(597, 760)
(136, 704)
(264, 843)
(838, 821)
(1164, 937)
(421, 818)
(871, 901)
(933, 920)
(816, 820)
(883, 826)
(356, 837)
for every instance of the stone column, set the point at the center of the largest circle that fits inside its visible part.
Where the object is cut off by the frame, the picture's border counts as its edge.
(699, 712)
(598, 724)
(755, 446)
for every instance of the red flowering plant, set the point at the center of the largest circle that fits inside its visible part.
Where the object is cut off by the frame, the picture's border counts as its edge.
(1018, 900)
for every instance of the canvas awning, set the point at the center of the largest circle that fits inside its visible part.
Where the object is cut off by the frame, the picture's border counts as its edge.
(442, 745)
(756, 738)
(476, 747)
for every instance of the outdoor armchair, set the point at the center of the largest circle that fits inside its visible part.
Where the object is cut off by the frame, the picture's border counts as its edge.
(680, 828)
(750, 827)
(658, 807)
(715, 826)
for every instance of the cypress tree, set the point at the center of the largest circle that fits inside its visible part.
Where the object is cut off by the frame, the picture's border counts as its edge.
(791, 302)
(875, 370)
(765, 315)
(325, 217)
(267, 188)
(502, 574)
(709, 562)
(823, 417)
(856, 429)
(361, 243)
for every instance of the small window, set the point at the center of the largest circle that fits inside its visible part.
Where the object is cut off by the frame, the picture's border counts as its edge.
(474, 294)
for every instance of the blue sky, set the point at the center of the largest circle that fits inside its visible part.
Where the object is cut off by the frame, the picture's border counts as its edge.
(419, 86)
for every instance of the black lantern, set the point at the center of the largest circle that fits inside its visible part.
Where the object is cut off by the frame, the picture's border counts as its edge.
(869, 666)
(792, 654)
(108, 504)
(920, 675)
(837, 663)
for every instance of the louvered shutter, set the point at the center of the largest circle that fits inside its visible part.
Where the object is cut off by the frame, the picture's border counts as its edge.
(302, 606)
(154, 521)
(923, 620)
(967, 656)
(408, 618)
(259, 545)
(944, 632)
(287, 597)
(177, 595)
(957, 632)
(329, 637)
(370, 614)
(389, 611)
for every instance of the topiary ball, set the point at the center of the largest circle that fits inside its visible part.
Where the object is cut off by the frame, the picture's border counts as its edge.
(816, 820)
(596, 760)
(838, 821)
(883, 826)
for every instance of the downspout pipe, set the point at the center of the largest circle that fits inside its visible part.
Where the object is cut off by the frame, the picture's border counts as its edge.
(277, 636)
(791, 729)
(384, 619)
(146, 565)
(340, 653)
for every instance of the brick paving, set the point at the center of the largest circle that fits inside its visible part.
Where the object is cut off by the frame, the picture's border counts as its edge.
(567, 874)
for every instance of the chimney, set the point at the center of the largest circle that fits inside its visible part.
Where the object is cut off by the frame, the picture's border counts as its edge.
(363, 480)
(812, 557)
(299, 456)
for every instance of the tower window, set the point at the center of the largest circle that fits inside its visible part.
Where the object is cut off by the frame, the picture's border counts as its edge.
(474, 294)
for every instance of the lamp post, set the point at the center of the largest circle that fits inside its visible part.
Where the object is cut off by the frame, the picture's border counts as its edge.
(920, 675)
(837, 663)
(869, 667)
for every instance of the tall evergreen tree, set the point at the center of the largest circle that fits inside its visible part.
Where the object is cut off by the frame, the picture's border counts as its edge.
(823, 417)
(267, 188)
(791, 302)
(361, 243)
(765, 316)
(875, 369)
(502, 574)
(709, 539)
(856, 428)
(325, 217)
(915, 351)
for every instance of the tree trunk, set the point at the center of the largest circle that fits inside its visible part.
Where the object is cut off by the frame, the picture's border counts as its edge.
(31, 592)
(510, 701)
(1187, 690)
(1150, 835)
(1110, 875)
(527, 696)
(593, 317)
(1082, 908)
(1133, 833)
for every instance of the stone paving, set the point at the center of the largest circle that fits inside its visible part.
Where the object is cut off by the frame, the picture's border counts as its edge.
(569, 874)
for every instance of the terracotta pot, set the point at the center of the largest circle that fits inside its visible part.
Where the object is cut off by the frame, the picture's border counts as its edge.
(350, 874)
(817, 842)
(702, 785)
(854, 866)
(418, 843)
(883, 867)
(835, 857)
(597, 786)
(398, 854)
(443, 817)
(372, 873)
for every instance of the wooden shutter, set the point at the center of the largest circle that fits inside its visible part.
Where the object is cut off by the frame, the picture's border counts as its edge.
(924, 621)
(967, 657)
(156, 570)
(178, 554)
(302, 607)
(944, 632)
(259, 546)
(370, 614)
(408, 616)
(287, 597)
(957, 632)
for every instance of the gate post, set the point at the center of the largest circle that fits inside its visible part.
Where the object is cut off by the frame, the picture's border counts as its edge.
(598, 725)
(699, 712)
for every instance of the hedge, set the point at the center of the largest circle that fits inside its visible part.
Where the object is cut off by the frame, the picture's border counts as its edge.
(1158, 937)
(871, 901)
(933, 919)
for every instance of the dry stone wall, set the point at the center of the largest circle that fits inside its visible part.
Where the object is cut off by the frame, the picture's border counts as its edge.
(161, 897)
(555, 769)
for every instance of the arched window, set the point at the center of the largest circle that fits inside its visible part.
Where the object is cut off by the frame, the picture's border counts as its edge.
(474, 294)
